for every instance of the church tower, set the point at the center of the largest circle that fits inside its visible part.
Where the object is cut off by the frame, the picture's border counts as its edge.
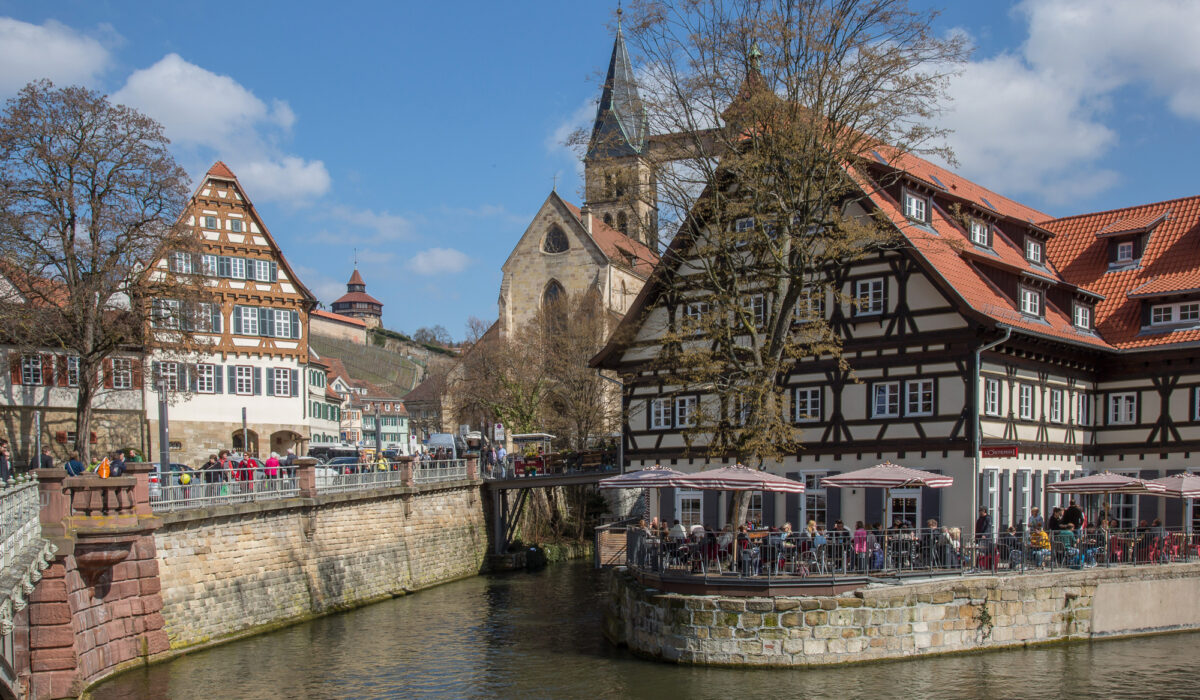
(619, 182)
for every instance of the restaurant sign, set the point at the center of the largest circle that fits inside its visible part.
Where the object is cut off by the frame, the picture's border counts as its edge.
(1001, 451)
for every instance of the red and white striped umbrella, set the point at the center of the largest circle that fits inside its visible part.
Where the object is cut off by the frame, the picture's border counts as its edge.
(888, 476)
(1186, 485)
(649, 478)
(1107, 482)
(740, 478)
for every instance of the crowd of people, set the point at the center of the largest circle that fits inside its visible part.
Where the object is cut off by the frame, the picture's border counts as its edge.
(1067, 538)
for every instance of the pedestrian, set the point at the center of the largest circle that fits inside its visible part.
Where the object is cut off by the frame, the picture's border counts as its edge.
(502, 460)
(272, 466)
(290, 462)
(73, 466)
(117, 464)
(5, 461)
(1036, 522)
(46, 461)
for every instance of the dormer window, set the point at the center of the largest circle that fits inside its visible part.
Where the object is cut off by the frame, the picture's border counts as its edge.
(979, 233)
(1165, 314)
(1031, 302)
(1125, 252)
(916, 207)
(1033, 251)
(1082, 317)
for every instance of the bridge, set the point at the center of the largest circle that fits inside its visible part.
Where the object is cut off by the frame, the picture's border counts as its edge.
(506, 512)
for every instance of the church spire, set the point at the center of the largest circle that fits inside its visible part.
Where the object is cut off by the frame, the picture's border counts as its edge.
(621, 125)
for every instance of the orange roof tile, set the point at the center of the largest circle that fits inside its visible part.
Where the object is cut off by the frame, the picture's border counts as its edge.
(1131, 224)
(353, 297)
(1169, 263)
(618, 246)
(219, 169)
(337, 317)
(356, 278)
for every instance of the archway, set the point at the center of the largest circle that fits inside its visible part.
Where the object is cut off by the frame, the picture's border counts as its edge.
(283, 440)
(251, 441)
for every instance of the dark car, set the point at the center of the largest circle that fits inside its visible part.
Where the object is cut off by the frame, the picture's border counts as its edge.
(343, 465)
(157, 479)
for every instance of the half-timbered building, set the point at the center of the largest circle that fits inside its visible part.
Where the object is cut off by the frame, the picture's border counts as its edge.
(998, 345)
(254, 335)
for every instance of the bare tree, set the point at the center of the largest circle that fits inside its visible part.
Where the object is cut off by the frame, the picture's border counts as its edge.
(89, 200)
(507, 380)
(581, 404)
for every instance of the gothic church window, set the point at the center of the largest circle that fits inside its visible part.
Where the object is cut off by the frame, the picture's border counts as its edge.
(554, 291)
(556, 241)
(608, 220)
(622, 223)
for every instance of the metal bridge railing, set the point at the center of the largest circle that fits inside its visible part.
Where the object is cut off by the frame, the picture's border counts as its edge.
(211, 487)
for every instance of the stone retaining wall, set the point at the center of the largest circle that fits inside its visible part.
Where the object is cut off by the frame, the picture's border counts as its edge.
(239, 569)
(885, 622)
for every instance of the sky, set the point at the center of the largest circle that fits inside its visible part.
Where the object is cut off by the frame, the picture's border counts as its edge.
(423, 136)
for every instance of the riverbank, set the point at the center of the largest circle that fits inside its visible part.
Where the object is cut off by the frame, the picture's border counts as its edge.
(942, 616)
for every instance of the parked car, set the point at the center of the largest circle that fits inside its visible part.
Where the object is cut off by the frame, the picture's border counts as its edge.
(447, 441)
(172, 479)
(325, 476)
(342, 465)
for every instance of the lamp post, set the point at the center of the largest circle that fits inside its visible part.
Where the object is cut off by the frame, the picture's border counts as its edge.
(164, 445)
(621, 431)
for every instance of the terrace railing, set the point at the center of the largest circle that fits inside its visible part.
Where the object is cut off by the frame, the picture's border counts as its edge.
(221, 486)
(441, 470)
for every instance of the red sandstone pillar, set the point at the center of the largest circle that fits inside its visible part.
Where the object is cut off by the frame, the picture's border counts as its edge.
(54, 502)
(406, 474)
(141, 490)
(473, 467)
(306, 477)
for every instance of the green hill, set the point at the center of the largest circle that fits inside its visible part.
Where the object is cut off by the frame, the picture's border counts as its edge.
(390, 371)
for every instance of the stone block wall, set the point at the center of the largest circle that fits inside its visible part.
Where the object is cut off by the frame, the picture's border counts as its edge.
(240, 569)
(887, 622)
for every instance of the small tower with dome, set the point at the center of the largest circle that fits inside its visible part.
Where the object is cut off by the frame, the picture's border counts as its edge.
(356, 303)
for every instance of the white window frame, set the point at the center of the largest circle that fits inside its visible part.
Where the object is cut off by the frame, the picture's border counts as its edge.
(1025, 408)
(249, 319)
(746, 223)
(32, 370)
(916, 207)
(1031, 301)
(1082, 316)
(122, 373)
(1023, 487)
(754, 507)
(1125, 252)
(904, 494)
(806, 404)
(696, 310)
(1033, 250)
(206, 379)
(210, 222)
(991, 397)
(283, 323)
(693, 517)
(181, 263)
(1122, 408)
(660, 414)
(283, 381)
(235, 225)
(169, 373)
(73, 371)
(243, 380)
(991, 496)
(870, 291)
(685, 411)
(811, 304)
(208, 265)
(979, 233)
(262, 270)
(1083, 408)
(920, 391)
(756, 304)
(885, 396)
(1056, 405)
(1180, 312)
(816, 500)
(237, 268)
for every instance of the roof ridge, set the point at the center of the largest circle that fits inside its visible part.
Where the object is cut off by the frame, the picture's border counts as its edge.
(1124, 209)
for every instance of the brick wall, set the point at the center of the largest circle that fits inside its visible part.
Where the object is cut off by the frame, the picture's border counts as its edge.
(243, 568)
(955, 615)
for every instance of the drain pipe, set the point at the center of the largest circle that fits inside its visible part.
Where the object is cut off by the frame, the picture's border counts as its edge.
(977, 436)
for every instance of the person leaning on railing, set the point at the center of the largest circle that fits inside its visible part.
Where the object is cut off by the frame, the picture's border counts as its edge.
(1039, 545)
(73, 466)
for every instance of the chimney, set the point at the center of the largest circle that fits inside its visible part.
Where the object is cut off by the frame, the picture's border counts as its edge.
(585, 216)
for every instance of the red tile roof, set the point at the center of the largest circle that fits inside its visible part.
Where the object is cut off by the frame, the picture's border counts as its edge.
(352, 297)
(617, 246)
(1169, 264)
(356, 278)
(1131, 224)
(337, 317)
(219, 169)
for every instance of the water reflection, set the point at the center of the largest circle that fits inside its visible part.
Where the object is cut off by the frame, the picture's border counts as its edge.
(537, 636)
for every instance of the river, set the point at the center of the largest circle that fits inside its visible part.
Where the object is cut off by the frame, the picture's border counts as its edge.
(538, 636)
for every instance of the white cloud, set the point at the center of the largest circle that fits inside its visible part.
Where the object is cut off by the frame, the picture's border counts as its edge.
(383, 226)
(216, 117)
(436, 261)
(51, 50)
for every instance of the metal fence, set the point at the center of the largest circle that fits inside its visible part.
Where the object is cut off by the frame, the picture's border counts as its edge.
(442, 470)
(897, 553)
(20, 521)
(210, 487)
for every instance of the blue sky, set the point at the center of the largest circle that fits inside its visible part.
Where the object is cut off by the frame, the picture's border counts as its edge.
(426, 135)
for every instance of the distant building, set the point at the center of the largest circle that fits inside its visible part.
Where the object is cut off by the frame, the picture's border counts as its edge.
(331, 325)
(356, 303)
(324, 405)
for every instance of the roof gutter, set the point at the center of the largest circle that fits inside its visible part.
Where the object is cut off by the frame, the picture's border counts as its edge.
(977, 437)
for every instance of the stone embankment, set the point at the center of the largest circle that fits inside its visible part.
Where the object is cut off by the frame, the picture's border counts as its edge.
(950, 615)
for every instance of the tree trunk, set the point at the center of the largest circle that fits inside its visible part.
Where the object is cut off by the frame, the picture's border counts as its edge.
(741, 505)
(83, 416)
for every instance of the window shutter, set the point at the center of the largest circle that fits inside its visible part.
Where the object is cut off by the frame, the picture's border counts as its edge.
(218, 383)
(1000, 520)
(224, 266)
(14, 368)
(258, 381)
(231, 373)
(768, 509)
(874, 512)
(156, 372)
(886, 308)
(135, 367)
(47, 370)
(266, 322)
(791, 501)
(270, 381)
(108, 373)
(1035, 498)
(61, 364)
(931, 504)
(1148, 505)
(193, 378)
(237, 320)
(295, 382)
(274, 272)
(296, 325)
(833, 502)
(666, 505)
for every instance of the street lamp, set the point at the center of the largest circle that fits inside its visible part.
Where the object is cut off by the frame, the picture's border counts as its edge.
(621, 430)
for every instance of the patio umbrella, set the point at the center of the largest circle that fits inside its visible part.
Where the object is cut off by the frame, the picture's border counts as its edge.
(1108, 483)
(1186, 485)
(888, 476)
(650, 477)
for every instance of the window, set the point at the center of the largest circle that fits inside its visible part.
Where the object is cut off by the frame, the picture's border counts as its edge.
(685, 411)
(166, 313)
(72, 371)
(1122, 408)
(868, 295)
(181, 263)
(208, 265)
(209, 317)
(31, 370)
(210, 222)
(991, 496)
(1033, 250)
(811, 304)
(806, 404)
(1083, 408)
(696, 310)
(243, 380)
(660, 414)
(916, 207)
(1056, 405)
(991, 397)
(756, 304)
(744, 224)
(122, 373)
(262, 270)
(979, 232)
(1125, 252)
(1031, 301)
(283, 324)
(919, 397)
(1025, 401)
(815, 502)
(235, 225)
(689, 508)
(887, 400)
(206, 379)
(754, 509)
(237, 268)
(556, 241)
(740, 409)
(248, 322)
(905, 505)
(1024, 496)
(168, 376)
(283, 382)
(1083, 317)
(1174, 313)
